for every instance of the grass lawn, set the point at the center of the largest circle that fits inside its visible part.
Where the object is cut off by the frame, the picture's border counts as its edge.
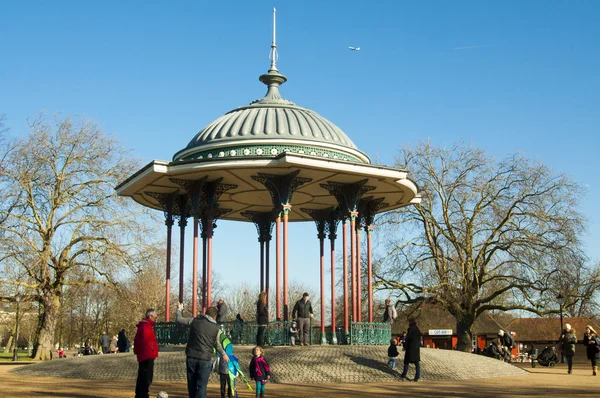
(22, 355)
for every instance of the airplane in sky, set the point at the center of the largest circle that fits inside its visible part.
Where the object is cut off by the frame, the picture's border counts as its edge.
(354, 48)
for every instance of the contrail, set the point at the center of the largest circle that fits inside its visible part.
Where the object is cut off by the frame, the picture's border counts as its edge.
(467, 47)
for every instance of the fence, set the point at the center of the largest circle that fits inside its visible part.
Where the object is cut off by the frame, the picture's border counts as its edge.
(278, 333)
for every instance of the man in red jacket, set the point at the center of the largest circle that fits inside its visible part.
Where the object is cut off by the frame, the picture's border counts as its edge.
(145, 347)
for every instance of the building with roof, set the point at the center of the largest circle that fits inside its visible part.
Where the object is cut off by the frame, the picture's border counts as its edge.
(271, 163)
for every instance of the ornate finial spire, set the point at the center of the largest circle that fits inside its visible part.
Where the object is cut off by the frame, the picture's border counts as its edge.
(273, 78)
(273, 56)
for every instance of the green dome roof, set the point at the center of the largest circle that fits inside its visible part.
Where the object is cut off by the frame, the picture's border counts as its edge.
(268, 127)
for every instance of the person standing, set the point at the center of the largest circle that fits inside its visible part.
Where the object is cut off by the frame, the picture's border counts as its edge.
(569, 339)
(262, 318)
(237, 331)
(105, 343)
(592, 346)
(303, 309)
(393, 353)
(203, 340)
(259, 370)
(222, 308)
(145, 348)
(112, 347)
(123, 342)
(412, 353)
(390, 314)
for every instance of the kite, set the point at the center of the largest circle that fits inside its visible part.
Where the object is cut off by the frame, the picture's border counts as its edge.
(233, 365)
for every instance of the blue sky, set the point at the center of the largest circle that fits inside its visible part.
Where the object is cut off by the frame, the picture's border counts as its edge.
(505, 75)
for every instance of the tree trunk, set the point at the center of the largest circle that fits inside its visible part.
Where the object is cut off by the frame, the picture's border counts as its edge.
(9, 343)
(44, 340)
(463, 330)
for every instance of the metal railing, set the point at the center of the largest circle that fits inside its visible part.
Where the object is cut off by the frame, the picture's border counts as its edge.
(278, 333)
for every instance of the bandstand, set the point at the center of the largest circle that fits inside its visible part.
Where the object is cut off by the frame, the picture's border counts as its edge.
(274, 163)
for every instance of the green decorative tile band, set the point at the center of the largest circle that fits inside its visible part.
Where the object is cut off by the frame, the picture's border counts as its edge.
(270, 151)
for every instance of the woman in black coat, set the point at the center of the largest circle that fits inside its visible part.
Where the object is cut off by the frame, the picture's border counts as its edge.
(412, 350)
(123, 342)
(262, 318)
(592, 344)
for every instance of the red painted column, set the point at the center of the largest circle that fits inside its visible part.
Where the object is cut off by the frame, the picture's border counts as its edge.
(353, 264)
(345, 271)
(358, 283)
(262, 265)
(182, 224)
(286, 209)
(322, 260)
(209, 237)
(278, 266)
(168, 276)
(369, 230)
(204, 265)
(268, 290)
(195, 270)
(333, 325)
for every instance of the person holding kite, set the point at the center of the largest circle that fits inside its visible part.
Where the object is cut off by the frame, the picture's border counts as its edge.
(202, 342)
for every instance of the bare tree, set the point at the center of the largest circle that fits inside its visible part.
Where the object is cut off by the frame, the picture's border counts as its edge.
(62, 215)
(486, 236)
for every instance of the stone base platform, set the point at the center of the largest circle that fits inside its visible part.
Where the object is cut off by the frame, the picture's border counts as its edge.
(312, 364)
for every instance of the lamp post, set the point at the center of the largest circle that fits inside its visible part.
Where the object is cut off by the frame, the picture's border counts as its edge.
(18, 301)
(560, 299)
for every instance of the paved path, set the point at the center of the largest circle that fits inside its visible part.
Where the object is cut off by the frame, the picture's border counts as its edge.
(539, 382)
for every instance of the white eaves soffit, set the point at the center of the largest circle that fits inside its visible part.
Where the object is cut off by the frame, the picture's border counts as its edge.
(393, 185)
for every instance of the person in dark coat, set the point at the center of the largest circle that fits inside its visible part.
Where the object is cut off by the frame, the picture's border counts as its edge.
(592, 346)
(123, 342)
(262, 318)
(412, 347)
(202, 342)
(303, 309)
(238, 329)
(569, 339)
(222, 315)
(393, 353)
(260, 371)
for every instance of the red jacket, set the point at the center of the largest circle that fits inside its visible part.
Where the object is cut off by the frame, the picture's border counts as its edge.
(145, 345)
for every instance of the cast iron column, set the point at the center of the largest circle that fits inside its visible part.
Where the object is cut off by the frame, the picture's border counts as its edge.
(195, 270)
(278, 266)
(368, 208)
(345, 272)
(358, 270)
(281, 188)
(369, 230)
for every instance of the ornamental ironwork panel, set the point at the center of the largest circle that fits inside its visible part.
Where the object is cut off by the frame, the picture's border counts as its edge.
(370, 333)
(281, 187)
(347, 195)
(367, 209)
(263, 221)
